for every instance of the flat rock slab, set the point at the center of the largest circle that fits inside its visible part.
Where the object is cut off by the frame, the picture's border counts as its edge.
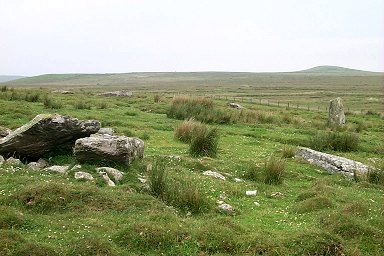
(331, 163)
(108, 148)
(45, 133)
(117, 94)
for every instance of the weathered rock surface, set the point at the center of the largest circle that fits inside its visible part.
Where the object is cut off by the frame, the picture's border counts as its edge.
(57, 168)
(331, 163)
(107, 148)
(235, 105)
(226, 208)
(106, 130)
(45, 133)
(251, 192)
(336, 112)
(13, 161)
(83, 176)
(117, 94)
(4, 131)
(214, 174)
(116, 174)
(63, 92)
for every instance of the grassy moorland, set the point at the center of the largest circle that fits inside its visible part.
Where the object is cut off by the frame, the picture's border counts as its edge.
(299, 209)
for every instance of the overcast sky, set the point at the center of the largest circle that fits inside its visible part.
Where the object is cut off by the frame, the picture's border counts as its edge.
(109, 36)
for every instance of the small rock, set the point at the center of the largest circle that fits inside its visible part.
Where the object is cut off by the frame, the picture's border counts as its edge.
(257, 203)
(13, 161)
(34, 166)
(117, 175)
(4, 132)
(142, 179)
(225, 208)
(238, 180)
(149, 167)
(83, 175)
(235, 105)
(214, 174)
(42, 163)
(222, 196)
(105, 176)
(219, 201)
(172, 157)
(251, 192)
(57, 168)
(106, 130)
(276, 194)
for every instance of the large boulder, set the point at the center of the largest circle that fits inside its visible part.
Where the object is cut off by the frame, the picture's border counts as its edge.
(108, 148)
(45, 133)
(336, 112)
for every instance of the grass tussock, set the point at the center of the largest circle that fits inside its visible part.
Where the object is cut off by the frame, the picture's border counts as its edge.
(375, 175)
(204, 142)
(82, 105)
(316, 243)
(177, 192)
(288, 151)
(339, 141)
(313, 204)
(91, 246)
(274, 169)
(11, 218)
(185, 131)
(50, 103)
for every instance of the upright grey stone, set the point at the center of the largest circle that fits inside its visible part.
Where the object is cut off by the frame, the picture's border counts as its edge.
(45, 133)
(336, 112)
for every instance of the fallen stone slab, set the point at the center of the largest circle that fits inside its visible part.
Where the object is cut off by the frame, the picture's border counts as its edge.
(226, 208)
(332, 163)
(117, 94)
(45, 133)
(108, 148)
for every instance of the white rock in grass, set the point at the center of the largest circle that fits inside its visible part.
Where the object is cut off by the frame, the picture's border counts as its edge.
(225, 208)
(105, 176)
(257, 203)
(214, 174)
(238, 180)
(117, 175)
(83, 175)
(57, 168)
(251, 192)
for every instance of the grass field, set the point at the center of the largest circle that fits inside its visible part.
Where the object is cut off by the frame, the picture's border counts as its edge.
(314, 213)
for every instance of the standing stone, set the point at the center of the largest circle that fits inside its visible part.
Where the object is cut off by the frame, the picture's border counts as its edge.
(336, 112)
(107, 148)
(45, 133)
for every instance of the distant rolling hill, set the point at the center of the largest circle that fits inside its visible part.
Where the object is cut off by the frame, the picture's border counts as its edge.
(177, 79)
(9, 78)
(332, 69)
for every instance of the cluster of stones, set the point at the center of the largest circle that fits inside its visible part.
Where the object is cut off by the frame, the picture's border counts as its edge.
(49, 132)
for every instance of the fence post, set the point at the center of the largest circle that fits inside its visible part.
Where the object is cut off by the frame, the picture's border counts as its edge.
(318, 108)
(308, 107)
(288, 105)
(278, 104)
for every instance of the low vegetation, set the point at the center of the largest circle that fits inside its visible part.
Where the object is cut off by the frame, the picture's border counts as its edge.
(299, 209)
